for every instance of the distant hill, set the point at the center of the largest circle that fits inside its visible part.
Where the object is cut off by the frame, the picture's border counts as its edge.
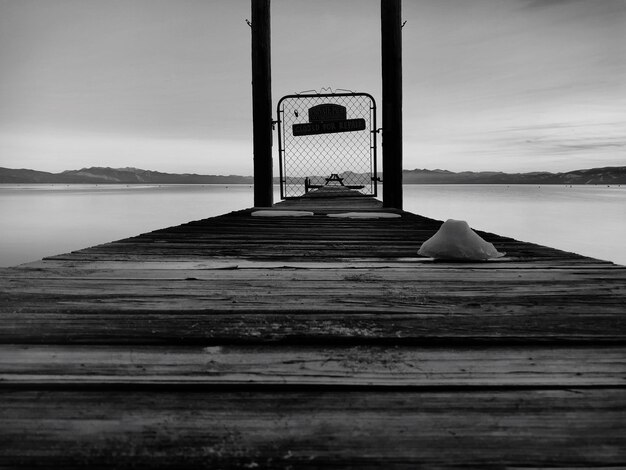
(606, 175)
(99, 175)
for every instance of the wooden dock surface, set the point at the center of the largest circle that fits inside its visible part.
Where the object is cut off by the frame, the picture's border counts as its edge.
(311, 342)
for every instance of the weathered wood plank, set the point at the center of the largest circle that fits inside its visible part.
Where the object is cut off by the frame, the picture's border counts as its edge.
(412, 282)
(297, 256)
(148, 326)
(522, 366)
(257, 299)
(408, 270)
(313, 429)
(321, 247)
(418, 290)
(86, 268)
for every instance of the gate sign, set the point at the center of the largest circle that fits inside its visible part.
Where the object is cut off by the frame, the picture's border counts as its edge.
(328, 118)
(327, 112)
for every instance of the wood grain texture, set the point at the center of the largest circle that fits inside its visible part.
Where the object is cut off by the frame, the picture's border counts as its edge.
(252, 428)
(180, 328)
(384, 366)
(311, 342)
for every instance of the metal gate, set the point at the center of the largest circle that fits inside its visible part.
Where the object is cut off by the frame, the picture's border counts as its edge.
(327, 140)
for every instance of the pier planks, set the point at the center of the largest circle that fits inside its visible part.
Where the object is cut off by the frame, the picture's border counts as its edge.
(309, 342)
(314, 428)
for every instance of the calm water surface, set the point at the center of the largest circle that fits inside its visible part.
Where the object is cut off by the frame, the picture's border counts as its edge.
(44, 220)
(589, 220)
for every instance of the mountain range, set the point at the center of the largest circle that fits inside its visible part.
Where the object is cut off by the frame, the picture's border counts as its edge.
(605, 175)
(100, 175)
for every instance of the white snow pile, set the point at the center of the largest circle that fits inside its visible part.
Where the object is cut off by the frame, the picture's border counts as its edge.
(280, 213)
(455, 240)
(365, 215)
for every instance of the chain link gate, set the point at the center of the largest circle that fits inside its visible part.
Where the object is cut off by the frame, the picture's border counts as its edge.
(327, 140)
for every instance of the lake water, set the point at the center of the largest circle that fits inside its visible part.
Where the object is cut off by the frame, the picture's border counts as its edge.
(44, 220)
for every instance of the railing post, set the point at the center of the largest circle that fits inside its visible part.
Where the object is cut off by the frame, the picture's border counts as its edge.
(391, 32)
(262, 104)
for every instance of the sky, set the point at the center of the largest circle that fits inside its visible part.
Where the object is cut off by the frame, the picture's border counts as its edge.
(502, 85)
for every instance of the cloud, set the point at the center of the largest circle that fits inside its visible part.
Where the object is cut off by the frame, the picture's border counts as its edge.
(550, 3)
(58, 151)
(595, 6)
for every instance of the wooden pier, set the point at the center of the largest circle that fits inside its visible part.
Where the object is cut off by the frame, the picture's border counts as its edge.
(311, 342)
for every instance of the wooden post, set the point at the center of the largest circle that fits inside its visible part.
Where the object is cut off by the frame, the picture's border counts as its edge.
(262, 104)
(391, 32)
